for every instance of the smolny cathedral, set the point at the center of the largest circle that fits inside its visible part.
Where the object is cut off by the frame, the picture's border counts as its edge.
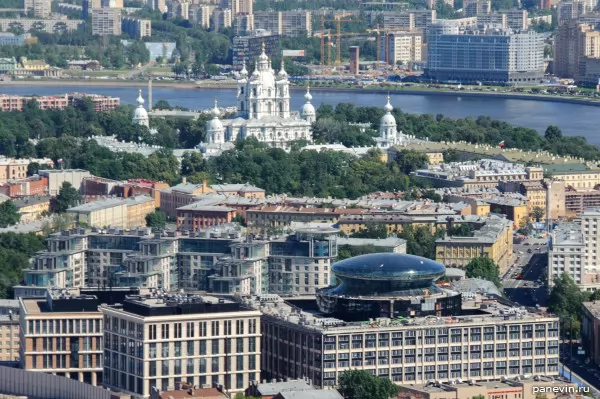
(263, 112)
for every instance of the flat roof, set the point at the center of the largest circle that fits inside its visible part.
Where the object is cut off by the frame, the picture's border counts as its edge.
(389, 242)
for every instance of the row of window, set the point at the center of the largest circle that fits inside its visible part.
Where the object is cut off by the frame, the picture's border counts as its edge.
(64, 326)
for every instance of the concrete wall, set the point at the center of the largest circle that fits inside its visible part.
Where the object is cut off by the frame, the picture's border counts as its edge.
(46, 386)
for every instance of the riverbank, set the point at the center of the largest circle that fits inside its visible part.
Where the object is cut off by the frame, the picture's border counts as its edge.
(413, 90)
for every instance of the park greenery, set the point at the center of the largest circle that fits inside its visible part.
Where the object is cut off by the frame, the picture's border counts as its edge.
(484, 268)
(15, 251)
(67, 197)
(9, 214)
(156, 219)
(361, 384)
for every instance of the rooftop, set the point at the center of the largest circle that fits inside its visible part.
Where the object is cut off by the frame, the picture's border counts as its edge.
(493, 228)
(477, 309)
(567, 233)
(202, 393)
(273, 388)
(196, 206)
(314, 394)
(593, 307)
(389, 242)
(247, 187)
(98, 205)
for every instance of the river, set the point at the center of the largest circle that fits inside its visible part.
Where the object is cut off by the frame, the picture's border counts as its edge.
(573, 119)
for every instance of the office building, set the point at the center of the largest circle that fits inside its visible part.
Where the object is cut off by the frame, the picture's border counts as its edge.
(358, 325)
(401, 47)
(106, 21)
(136, 27)
(180, 339)
(62, 335)
(517, 57)
(247, 48)
(38, 8)
(221, 18)
(473, 8)
(492, 240)
(354, 60)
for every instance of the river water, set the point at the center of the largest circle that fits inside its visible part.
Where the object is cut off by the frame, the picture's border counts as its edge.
(573, 119)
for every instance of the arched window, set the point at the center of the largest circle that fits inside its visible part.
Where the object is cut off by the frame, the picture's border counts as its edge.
(254, 108)
(269, 107)
(242, 90)
(242, 106)
(254, 91)
(280, 107)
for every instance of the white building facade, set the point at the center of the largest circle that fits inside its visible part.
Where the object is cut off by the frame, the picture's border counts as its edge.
(263, 111)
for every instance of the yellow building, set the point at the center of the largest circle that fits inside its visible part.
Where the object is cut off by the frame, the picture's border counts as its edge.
(434, 158)
(32, 208)
(137, 209)
(536, 197)
(33, 65)
(493, 240)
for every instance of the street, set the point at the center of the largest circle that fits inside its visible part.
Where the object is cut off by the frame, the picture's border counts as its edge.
(531, 259)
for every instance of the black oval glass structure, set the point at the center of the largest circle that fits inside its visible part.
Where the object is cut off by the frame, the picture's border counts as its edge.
(383, 274)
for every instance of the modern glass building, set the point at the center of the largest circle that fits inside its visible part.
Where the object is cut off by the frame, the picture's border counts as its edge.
(387, 285)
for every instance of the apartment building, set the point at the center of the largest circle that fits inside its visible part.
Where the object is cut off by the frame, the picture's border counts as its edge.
(201, 15)
(473, 8)
(574, 42)
(516, 19)
(136, 27)
(15, 169)
(32, 208)
(62, 335)
(159, 5)
(401, 47)
(29, 186)
(240, 6)
(38, 8)
(568, 10)
(181, 195)
(485, 173)
(535, 191)
(492, 240)
(196, 217)
(246, 48)
(576, 201)
(46, 25)
(518, 57)
(106, 21)
(238, 190)
(179, 9)
(284, 23)
(574, 250)
(221, 18)
(170, 339)
(497, 342)
(9, 337)
(590, 330)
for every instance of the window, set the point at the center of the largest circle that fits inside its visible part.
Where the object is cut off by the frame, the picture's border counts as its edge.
(240, 345)
(152, 331)
(239, 363)
(152, 351)
(165, 349)
(203, 347)
(252, 345)
(190, 348)
(177, 330)
(215, 347)
(178, 348)
(239, 327)
(227, 327)
(202, 329)
(190, 329)
(165, 331)
(252, 326)
(215, 328)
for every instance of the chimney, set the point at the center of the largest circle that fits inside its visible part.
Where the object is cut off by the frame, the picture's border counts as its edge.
(184, 180)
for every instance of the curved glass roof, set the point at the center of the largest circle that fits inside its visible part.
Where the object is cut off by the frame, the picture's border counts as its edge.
(389, 266)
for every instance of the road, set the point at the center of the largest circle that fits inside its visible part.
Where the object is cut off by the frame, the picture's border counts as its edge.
(138, 71)
(531, 260)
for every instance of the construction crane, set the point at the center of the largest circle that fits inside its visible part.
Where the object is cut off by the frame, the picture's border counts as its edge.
(338, 19)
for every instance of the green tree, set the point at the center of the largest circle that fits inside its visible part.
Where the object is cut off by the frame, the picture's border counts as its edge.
(360, 384)
(461, 230)
(156, 219)
(67, 197)
(15, 251)
(537, 213)
(9, 214)
(409, 160)
(349, 251)
(484, 268)
(565, 300)
(59, 222)
(553, 134)
(372, 230)
(420, 240)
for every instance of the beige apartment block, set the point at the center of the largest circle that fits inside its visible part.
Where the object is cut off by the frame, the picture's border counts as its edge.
(62, 335)
(9, 337)
(172, 339)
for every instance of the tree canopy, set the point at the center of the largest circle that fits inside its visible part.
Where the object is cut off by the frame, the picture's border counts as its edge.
(9, 214)
(15, 251)
(67, 197)
(156, 219)
(484, 268)
(565, 300)
(360, 384)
